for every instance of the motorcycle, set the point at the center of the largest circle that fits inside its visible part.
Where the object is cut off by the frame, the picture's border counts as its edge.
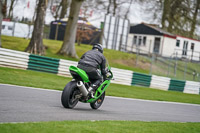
(78, 89)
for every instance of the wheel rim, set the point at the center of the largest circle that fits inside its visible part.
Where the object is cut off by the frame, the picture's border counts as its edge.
(99, 101)
(73, 99)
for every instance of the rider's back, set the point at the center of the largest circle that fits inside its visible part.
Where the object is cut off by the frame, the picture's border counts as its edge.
(93, 58)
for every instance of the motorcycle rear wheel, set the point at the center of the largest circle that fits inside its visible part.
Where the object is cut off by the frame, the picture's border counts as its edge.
(68, 95)
(98, 102)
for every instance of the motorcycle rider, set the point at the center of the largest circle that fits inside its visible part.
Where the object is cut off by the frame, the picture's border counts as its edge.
(90, 62)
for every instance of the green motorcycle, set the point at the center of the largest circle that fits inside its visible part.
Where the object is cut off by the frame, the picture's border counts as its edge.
(77, 89)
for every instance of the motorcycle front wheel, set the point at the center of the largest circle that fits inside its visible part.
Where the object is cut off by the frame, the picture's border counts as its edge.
(68, 98)
(98, 102)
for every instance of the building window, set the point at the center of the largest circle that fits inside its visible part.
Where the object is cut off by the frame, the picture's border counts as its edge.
(177, 43)
(192, 46)
(185, 46)
(3, 26)
(10, 28)
(140, 40)
(135, 40)
(144, 40)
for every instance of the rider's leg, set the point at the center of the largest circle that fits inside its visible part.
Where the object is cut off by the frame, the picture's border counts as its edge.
(96, 79)
(93, 75)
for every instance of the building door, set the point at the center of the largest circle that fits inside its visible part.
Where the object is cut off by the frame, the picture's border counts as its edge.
(185, 46)
(156, 47)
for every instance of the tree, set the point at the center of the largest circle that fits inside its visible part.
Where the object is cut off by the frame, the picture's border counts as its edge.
(35, 12)
(84, 34)
(194, 19)
(166, 7)
(59, 8)
(178, 16)
(175, 16)
(2, 14)
(36, 44)
(1, 18)
(128, 10)
(55, 8)
(65, 4)
(83, 31)
(108, 8)
(114, 6)
(10, 12)
(68, 46)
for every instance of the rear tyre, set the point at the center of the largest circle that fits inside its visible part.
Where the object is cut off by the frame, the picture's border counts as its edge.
(98, 102)
(68, 98)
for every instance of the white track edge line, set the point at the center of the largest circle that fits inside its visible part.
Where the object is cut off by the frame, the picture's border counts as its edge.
(122, 98)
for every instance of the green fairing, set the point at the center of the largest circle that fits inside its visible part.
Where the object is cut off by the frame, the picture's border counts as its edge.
(81, 72)
(85, 78)
(99, 91)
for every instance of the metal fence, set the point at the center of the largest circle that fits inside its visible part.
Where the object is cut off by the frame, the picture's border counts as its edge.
(172, 67)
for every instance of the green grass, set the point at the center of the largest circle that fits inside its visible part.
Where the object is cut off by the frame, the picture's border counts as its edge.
(52, 81)
(115, 58)
(100, 127)
(32, 78)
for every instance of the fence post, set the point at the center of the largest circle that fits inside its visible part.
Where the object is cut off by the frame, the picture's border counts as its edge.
(175, 66)
(136, 56)
(13, 31)
(192, 54)
(199, 56)
(120, 42)
(133, 44)
(152, 58)
(110, 19)
(169, 66)
(150, 48)
(185, 70)
(137, 49)
(56, 35)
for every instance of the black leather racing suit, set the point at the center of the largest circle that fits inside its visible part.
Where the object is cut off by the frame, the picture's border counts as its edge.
(90, 62)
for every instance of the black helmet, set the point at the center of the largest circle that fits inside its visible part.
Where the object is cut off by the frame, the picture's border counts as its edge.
(98, 46)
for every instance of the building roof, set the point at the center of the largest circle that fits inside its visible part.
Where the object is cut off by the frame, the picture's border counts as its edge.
(81, 23)
(188, 38)
(149, 29)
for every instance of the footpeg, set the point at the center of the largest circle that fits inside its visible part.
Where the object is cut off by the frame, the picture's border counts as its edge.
(92, 96)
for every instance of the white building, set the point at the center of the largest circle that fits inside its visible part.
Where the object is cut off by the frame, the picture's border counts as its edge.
(148, 39)
(16, 29)
(187, 48)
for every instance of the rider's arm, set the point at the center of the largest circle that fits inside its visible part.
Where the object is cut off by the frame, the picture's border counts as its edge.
(103, 66)
(83, 56)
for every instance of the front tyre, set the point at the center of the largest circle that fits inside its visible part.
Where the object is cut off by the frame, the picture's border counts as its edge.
(98, 102)
(69, 93)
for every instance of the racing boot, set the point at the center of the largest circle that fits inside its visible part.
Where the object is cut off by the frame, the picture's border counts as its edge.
(92, 90)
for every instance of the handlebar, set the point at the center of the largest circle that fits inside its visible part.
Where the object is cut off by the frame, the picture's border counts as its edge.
(109, 74)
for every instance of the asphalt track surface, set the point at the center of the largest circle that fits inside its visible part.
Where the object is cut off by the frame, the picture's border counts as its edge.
(25, 104)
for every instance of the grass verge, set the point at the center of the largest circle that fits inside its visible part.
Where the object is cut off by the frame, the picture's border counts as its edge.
(101, 127)
(52, 81)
